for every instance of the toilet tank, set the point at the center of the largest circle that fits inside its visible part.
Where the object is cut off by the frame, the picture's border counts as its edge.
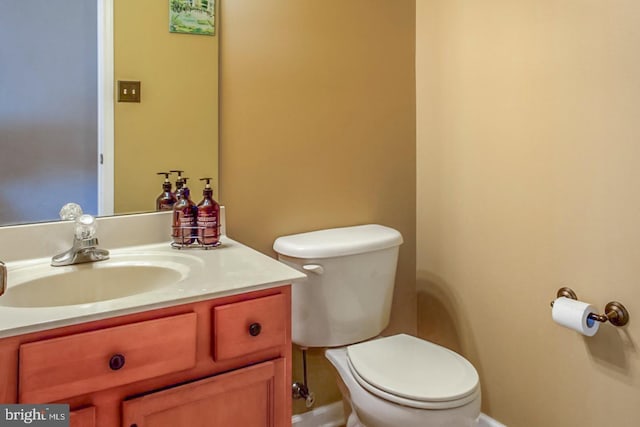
(351, 274)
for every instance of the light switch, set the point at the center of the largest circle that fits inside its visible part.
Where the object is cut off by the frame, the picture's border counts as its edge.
(128, 91)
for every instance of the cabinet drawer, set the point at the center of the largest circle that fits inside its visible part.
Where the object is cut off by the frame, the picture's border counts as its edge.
(245, 327)
(82, 363)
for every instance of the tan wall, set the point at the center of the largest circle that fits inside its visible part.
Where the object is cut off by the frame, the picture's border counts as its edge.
(318, 128)
(528, 149)
(176, 124)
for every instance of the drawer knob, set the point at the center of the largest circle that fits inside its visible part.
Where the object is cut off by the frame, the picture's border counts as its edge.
(255, 329)
(116, 362)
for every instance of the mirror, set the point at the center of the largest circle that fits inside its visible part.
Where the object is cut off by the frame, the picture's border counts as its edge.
(174, 126)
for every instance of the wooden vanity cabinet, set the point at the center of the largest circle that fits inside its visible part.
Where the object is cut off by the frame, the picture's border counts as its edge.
(220, 362)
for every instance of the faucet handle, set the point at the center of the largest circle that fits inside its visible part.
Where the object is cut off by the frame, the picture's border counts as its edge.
(70, 211)
(86, 227)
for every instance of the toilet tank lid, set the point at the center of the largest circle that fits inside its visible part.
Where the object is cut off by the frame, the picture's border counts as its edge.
(337, 242)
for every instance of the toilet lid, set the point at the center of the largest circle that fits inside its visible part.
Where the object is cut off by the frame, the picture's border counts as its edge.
(414, 370)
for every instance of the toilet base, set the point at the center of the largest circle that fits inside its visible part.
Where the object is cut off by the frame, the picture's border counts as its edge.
(353, 421)
(363, 409)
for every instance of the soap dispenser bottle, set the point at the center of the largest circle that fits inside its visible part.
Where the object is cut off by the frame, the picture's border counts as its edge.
(184, 217)
(179, 182)
(166, 199)
(208, 217)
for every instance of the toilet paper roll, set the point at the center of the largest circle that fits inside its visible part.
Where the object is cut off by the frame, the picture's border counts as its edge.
(574, 314)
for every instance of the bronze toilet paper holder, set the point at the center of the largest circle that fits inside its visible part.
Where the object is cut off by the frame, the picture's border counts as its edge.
(614, 312)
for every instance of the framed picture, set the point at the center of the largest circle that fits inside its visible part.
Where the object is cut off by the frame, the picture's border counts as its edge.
(192, 17)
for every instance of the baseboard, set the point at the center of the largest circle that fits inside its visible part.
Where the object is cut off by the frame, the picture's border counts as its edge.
(331, 415)
(486, 421)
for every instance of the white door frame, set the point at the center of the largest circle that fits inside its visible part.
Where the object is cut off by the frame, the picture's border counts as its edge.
(105, 108)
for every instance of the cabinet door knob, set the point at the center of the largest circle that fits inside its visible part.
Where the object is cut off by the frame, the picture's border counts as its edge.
(254, 329)
(116, 362)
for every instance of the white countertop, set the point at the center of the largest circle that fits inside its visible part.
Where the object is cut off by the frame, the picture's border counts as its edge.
(232, 268)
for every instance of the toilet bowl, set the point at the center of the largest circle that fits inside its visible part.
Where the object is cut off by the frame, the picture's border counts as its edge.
(429, 386)
(397, 381)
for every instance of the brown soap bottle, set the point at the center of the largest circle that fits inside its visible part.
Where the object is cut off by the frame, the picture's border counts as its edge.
(179, 182)
(208, 217)
(184, 217)
(166, 199)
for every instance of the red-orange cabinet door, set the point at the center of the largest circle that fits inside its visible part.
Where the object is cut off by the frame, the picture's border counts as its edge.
(85, 417)
(249, 397)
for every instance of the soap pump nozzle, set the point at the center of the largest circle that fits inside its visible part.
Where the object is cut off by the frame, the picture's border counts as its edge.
(208, 191)
(179, 181)
(185, 190)
(166, 185)
(166, 199)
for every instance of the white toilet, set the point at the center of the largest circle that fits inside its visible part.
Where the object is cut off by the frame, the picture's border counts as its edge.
(388, 382)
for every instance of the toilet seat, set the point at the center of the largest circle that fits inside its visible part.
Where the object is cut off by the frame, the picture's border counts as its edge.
(413, 372)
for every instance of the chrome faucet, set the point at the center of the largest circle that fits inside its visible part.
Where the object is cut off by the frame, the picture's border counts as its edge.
(83, 250)
(3, 277)
(85, 245)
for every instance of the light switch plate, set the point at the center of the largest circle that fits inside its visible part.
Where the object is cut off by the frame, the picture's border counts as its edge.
(128, 91)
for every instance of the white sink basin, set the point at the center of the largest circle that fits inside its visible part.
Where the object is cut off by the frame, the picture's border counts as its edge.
(124, 275)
